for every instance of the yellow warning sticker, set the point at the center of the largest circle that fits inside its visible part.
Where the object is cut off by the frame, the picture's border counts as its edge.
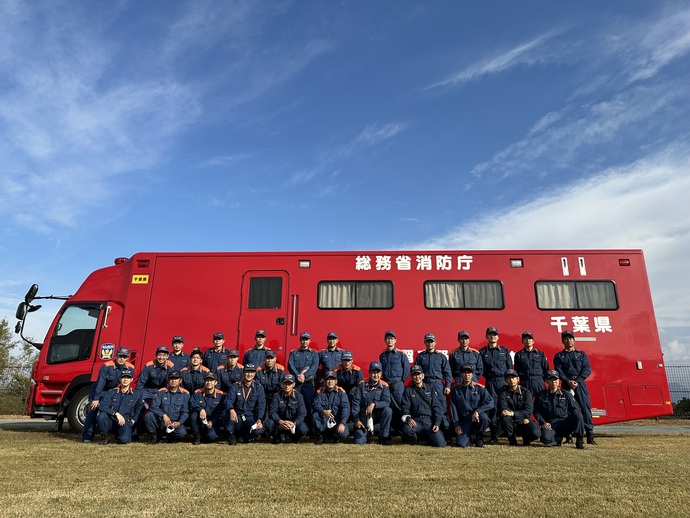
(140, 279)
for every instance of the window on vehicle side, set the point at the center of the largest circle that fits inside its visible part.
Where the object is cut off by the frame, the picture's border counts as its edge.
(576, 295)
(355, 295)
(265, 292)
(463, 295)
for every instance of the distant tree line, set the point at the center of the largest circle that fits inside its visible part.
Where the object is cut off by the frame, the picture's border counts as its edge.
(16, 361)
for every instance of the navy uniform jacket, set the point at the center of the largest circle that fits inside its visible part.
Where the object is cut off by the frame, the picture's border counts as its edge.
(213, 359)
(227, 378)
(572, 366)
(396, 366)
(153, 377)
(173, 404)
(334, 400)
(349, 379)
(272, 380)
(128, 404)
(248, 401)
(329, 360)
(180, 361)
(213, 403)
(365, 394)
(435, 366)
(531, 364)
(255, 356)
(303, 361)
(496, 362)
(288, 408)
(551, 406)
(458, 358)
(519, 402)
(465, 400)
(423, 401)
(108, 379)
(193, 380)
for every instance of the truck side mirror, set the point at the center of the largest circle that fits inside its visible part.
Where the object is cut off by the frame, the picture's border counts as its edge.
(31, 294)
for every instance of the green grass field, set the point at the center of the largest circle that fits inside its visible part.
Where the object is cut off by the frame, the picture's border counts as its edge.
(52, 474)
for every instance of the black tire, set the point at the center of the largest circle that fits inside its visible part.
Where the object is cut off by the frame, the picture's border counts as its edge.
(77, 409)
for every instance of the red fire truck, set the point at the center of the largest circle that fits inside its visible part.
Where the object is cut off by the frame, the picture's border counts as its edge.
(602, 296)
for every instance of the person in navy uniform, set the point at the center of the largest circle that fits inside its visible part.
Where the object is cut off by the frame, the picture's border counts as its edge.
(331, 410)
(257, 353)
(349, 374)
(371, 401)
(558, 414)
(573, 369)
(216, 355)
(465, 355)
(245, 407)
(178, 358)
(422, 408)
(108, 378)
(515, 411)
(270, 375)
(436, 372)
(531, 365)
(396, 371)
(230, 372)
(497, 361)
(169, 410)
(331, 356)
(194, 374)
(287, 414)
(154, 375)
(470, 404)
(206, 411)
(119, 409)
(303, 364)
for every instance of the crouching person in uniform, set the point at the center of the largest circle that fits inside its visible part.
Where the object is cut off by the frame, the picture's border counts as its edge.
(515, 411)
(245, 407)
(169, 410)
(422, 408)
(206, 411)
(371, 404)
(331, 410)
(287, 413)
(558, 414)
(119, 409)
(470, 403)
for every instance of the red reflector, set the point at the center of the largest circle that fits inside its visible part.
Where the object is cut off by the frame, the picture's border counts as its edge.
(120, 260)
(623, 262)
(142, 263)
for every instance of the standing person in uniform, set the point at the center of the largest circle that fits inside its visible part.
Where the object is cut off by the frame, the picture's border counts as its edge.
(422, 408)
(169, 410)
(245, 407)
(465, 355)
(256, 354)
(178, 358)
(230, 372)
(331, 356)
(349, 374)
(331, 410)
(497, 361)
(436, 372)
(287, 414)
(470, 404)
(119, 409)
(303, 364)
(206, 411)
(558, 414)
(108, 378)
(194, 374)
(396, 371)
(573, 368)
(515, 411)
(531, 365)
(216, 355)
(371, 401)
(270, 375)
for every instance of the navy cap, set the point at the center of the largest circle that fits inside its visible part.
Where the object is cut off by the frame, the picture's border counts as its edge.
(249, 367)
(289, 378)
(490, 330)
(347, 355)
(416, 369)
(305, 335)
(331, 374)
(162, 349)
(177, 338)
(123, 351)
(511, 372)
(127, 373)
(197, 351)
(527, 334)
(270, 353)
(234, 352)
(218, 336)
(462, 334)
(174, 374)
(331, 335)
(390, 332)
(430, 336)
(260, 332)
(210, 376)
(375, 366)
(567, 333)
(552, 374)
(467, 367)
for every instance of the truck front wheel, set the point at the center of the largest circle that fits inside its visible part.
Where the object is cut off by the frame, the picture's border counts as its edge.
(77, 409)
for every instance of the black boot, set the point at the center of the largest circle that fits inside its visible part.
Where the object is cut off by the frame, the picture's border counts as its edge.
(579, 443)
(232, 440)
(512, 440)
(277, 438)
(104, 439)
(197, 440)
(319, 439)
(590, 438)
(154, 439)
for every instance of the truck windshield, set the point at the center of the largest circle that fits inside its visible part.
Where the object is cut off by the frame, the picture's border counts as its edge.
(74, 334)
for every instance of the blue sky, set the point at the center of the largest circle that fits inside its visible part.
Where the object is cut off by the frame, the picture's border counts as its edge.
(192, 126)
